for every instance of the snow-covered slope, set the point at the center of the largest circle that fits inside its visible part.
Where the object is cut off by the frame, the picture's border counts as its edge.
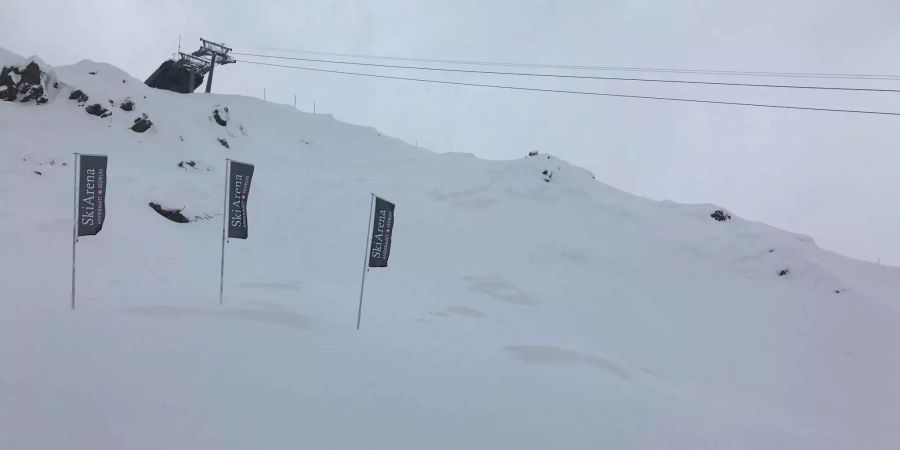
(517, 312)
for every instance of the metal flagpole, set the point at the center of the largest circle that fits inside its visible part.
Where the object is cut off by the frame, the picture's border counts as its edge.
(74, 226)
(362, 286)
(224, 232)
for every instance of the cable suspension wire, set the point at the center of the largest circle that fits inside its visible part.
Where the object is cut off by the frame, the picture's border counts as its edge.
(849, 76)
(579, 77)
(564, 91)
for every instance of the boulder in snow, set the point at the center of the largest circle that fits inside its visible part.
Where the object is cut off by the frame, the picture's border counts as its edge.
(174, 215)
(78, 96)
(141, 124)
(220, 115)
(720, 215)
(97, 110)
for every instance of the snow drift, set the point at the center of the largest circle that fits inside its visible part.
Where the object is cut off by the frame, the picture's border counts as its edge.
(527, 305)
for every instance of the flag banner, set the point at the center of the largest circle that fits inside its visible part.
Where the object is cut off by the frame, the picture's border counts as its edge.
(382, 231)
(239, 178)
(91, 194)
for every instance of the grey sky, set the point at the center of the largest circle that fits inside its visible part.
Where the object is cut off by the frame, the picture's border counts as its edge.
(832, 176)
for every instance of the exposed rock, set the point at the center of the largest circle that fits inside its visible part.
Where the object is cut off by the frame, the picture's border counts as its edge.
(784, 272)
(97, 110)
(720, 215)
(533, 153)
(38, 172)
(127, 105)
(141, 124)
(548, 175)
(27, 83)
(191, 164)
(220, 115)
(224, 143)
(78, 96)
(174, 215)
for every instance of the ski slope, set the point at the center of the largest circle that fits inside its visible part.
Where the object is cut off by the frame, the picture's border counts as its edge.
(516, 312)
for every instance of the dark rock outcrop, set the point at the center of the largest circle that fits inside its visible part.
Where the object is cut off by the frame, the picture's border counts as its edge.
(174, 215)
(78, 96)
(141, 124)
(127, 105)
(720, 215)
(97, 110)
(224, 143)
(22, 84)
(220, 115)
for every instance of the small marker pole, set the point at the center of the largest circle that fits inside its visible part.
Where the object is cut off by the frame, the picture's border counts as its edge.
(362, 286)
(74, 226)
(224, 233)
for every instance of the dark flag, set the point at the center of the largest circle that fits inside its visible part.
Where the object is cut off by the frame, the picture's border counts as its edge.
(91, 209)
(239, 178)
(382, 231)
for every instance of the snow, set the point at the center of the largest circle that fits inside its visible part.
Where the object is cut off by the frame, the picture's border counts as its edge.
(516, 313)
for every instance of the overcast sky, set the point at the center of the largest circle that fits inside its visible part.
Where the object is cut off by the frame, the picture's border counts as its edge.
(835, 177)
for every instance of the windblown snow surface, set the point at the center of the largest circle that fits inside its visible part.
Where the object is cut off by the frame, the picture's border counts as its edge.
(516, 313)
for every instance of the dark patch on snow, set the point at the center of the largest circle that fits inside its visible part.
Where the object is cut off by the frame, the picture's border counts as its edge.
(224, 143)
(720, 215)
(37, 172)
(127, 104)
(93, 73)
(548, 175)
(784, 272)
(192, 164)
(97, 110)
(141, 124)
(221, 115)
(78, 96)
(533, 153)
(174, 215)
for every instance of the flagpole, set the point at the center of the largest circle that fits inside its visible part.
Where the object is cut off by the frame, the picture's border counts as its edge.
(224, 231)
(362, 286)
(74, 225)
